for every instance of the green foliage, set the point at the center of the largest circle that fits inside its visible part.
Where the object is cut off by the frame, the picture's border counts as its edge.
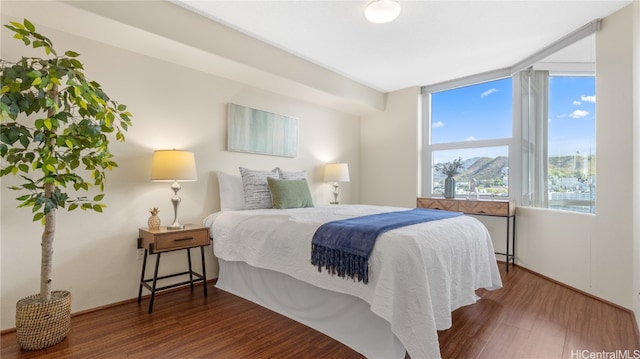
(55, 127)
(449, 169)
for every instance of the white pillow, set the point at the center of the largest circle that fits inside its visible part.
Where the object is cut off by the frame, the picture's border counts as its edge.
(298, 175)
(231, 192)
(256, 188)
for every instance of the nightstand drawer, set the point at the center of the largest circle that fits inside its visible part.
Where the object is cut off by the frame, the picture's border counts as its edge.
(181, 240)
(162, 240)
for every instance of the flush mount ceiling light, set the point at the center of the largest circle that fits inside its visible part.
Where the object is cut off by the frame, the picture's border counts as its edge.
(382, 11)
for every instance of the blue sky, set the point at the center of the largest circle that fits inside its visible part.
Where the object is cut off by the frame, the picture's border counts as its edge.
(572, 115)
(479, 112)
(484, 111)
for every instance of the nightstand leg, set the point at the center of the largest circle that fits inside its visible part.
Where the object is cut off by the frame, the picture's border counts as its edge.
(513, 240)
(204, 272)
(155, 280)
(507, 258)
(144, 266)
(190, 269)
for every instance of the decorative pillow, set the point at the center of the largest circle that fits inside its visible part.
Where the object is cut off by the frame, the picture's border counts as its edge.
(231, 192)
(290, 193)
(292, 175)
(256, 189)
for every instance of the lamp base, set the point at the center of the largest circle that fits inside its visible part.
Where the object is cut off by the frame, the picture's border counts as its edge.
(176, 201)
(334, 202)
(335, 193)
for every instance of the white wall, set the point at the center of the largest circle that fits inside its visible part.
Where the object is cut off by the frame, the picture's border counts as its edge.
(389, 151)
(636, 159)
(556, 244)
(173, 107)
(613, 247)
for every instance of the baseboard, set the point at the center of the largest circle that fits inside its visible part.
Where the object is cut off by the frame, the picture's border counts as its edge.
(126, 301)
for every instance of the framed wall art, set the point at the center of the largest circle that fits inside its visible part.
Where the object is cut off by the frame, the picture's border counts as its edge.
(256, 131)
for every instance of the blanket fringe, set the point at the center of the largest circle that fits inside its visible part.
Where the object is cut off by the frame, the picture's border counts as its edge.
(339, 263)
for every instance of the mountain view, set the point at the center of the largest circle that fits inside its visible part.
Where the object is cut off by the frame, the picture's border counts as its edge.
(575, 166)
(570, 177)
(484, 169)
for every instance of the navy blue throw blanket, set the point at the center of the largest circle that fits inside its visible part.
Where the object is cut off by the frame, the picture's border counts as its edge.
(343, 247)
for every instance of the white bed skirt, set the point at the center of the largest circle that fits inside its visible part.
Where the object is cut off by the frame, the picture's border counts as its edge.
(344, 318)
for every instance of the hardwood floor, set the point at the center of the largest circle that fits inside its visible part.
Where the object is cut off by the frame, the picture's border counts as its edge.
(530, 317)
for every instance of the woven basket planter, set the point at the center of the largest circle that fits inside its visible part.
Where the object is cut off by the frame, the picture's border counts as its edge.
(40, 325)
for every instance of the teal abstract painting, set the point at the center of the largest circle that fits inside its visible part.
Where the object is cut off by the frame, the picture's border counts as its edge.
(255, 131)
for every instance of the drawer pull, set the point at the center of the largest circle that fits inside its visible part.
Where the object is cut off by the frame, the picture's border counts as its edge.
(482, 212)
(183, 239)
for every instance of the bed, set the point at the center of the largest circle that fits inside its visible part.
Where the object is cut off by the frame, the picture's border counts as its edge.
(418, 275)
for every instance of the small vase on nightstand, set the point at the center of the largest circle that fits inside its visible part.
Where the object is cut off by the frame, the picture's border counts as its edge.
(154, 221)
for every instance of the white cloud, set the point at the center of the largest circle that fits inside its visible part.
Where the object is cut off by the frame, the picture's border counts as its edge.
(488, 92)
(588, 98)
(470, 138)
(576, 103)
(437, 124)
(578, 114)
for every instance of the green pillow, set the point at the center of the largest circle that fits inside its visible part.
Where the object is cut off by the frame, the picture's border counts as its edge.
(289, 193)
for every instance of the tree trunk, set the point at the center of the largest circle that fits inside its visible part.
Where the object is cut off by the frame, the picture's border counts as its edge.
(46, 260)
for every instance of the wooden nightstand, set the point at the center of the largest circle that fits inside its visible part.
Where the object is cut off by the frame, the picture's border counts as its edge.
(497, 208)
(163, 240)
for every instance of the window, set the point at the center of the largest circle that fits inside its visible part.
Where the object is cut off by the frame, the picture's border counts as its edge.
(571, 143)
(474, 123)
(526, 132)
(555, 142)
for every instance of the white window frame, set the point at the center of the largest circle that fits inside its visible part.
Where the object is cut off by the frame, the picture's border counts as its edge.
(429, 148)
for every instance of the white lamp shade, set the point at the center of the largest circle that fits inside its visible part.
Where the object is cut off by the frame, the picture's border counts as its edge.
(336, 172)
(173, 165)
(382, 11)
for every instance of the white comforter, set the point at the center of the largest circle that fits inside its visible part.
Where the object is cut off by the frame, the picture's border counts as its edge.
(418, 274)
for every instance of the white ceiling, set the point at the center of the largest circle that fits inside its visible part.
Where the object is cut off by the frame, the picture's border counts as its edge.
(430, 42)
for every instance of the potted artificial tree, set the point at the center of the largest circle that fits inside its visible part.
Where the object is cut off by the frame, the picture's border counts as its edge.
(55, 129)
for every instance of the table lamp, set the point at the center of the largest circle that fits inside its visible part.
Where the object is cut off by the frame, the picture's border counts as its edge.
(336, 172)
(176, 166)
